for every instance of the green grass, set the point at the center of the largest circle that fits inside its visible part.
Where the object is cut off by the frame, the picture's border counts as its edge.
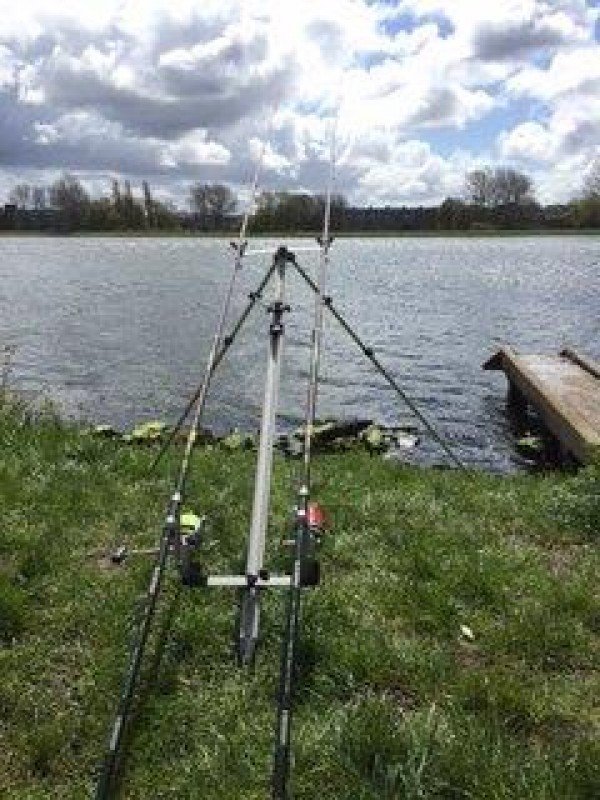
(393, 700)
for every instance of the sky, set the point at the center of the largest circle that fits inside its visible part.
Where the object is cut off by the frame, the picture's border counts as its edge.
(414, 93)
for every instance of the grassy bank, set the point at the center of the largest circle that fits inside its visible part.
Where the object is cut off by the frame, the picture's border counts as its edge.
(452, 650)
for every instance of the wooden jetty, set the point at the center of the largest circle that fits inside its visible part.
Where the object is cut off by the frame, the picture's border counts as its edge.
(565, 391)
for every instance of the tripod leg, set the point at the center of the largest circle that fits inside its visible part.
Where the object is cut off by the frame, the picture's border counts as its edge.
(199, 395)
(368, 352)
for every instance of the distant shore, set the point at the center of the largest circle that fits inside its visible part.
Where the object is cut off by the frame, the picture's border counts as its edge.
(456, 234)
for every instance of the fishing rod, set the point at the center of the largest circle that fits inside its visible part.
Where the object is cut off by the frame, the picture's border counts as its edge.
(325, 241)
(169, 533)
(303, 534)
(198, 399)
(226, 343)
(170, 539)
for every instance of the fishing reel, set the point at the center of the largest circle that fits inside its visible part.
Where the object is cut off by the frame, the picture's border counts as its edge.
(191, 527)
(309, 528)
(183, 544)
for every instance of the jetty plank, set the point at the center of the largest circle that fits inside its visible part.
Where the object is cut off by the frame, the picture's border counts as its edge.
(564, 389)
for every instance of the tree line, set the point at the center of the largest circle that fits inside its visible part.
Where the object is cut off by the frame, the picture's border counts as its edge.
(501, 198)
(66, 206)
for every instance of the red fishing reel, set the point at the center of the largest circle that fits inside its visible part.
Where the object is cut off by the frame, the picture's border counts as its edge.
(318, 520)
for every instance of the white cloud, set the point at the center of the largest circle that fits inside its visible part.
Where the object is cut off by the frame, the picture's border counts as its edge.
(413, 174)
(194, 149)
(7, 66)
(569, 71)
(567, 137)
(529, 141)
(564, 181)
(167, 88)
(46, 133)
(262, 153)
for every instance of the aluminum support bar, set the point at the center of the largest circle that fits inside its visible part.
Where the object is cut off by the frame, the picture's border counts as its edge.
(249, 622)
(241, 581)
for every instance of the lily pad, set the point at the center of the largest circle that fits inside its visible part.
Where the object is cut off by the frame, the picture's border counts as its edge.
(106, 431)
(374, 438)
(237, 440)
(530, 445)
(148, 431)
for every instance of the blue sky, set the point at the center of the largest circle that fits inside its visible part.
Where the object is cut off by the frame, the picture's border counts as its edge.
(408, 20)
(180, 91)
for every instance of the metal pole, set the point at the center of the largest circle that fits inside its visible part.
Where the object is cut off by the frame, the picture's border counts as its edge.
(199, 394)
(368, 352)
(262, 487)
(169, 535)
(280, 785)
(283, 731)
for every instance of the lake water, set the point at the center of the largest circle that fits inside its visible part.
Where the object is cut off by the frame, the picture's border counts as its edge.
(117, 330)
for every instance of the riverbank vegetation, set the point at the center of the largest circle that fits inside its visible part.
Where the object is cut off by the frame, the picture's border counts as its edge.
(497, 200)
(452, 650)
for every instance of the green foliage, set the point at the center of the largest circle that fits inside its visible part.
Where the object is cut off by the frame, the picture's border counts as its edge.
(70, 209)
(499, 200)
(283, 211)
(499, 187)
(393, 700)
(586, 212)
(13, 611)
(577, 504)
(212, 204)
